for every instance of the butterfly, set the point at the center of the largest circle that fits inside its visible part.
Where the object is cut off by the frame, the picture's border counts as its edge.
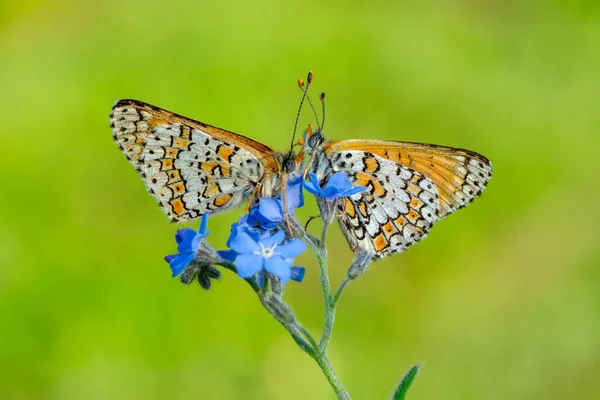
(410, 186)
(191, 167)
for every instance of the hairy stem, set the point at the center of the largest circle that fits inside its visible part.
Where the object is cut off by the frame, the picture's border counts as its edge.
(331, 376)
(291, 326)
(339, 291)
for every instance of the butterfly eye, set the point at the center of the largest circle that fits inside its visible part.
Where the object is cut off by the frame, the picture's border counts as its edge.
(315, 140)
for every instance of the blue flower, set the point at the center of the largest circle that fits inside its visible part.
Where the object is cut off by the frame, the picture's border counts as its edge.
(188, 244)
(265, 252)
(338, 186)
(247, 224)
(269, 213)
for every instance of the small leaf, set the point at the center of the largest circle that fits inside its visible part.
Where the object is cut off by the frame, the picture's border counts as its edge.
(400, 393)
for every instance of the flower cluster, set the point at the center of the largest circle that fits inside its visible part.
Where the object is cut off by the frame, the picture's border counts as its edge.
(259, 243)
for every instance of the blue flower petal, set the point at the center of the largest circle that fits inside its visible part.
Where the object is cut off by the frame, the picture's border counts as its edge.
(270, 209)
(263, 221)
(291, 249)
(181, 233)
(273, 240)
(170, 257)
(233, 234)
(340, 181)
(228, 255)
(195, 245)
(352, 191)
(241, 226)
(248, 264)
(337, 187)
(297, 273)
(294, 196)
(277, 266)
(203, 224)
(180, 261)
(247, 221)
(330, 192)
(244, 244)
(186, 243)
(313, 185)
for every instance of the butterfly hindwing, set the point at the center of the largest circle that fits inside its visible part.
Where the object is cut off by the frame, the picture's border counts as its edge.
(189, 166)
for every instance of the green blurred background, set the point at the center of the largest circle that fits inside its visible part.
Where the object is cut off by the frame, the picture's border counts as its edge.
(500, 302)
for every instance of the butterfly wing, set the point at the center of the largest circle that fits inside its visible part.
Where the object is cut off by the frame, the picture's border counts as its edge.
(189, 166)
(409, 187)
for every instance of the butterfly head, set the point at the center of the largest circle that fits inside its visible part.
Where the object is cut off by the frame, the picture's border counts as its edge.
(289, 162)
(314, 141)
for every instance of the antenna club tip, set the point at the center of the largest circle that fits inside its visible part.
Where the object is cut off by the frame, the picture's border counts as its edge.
(310, 77)
(301, 142)
(300, 83)
(322, 96)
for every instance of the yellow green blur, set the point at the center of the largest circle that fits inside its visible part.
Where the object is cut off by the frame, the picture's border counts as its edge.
(501, 301)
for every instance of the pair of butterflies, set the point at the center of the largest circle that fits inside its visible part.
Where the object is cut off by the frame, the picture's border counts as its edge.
(192, 167)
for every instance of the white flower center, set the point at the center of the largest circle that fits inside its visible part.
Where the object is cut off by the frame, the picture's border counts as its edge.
(267, 252)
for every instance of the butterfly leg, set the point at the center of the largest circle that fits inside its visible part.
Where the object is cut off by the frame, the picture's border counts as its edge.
(312, 157)
(309, 221)
(256, 189)
(285, 207)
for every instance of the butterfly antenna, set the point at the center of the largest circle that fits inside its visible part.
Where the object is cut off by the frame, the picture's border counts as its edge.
(319, 126)
(322, 98)
(305, 95)
(301, 86)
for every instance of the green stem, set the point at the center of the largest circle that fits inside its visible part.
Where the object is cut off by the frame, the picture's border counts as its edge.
(294, 329)
(307, 335)
(338, 293)
(331, 376)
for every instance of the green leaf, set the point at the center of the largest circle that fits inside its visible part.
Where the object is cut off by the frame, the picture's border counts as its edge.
(400, 393)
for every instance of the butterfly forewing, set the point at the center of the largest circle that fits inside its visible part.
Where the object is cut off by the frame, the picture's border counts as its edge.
(189, 166)
(409, 187)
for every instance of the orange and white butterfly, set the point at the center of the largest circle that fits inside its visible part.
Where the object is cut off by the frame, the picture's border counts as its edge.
(410, 186)
(192, 167)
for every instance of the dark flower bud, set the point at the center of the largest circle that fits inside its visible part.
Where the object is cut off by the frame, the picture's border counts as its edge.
(201, 267)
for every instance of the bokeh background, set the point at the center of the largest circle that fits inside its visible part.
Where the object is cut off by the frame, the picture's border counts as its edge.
(500, 302)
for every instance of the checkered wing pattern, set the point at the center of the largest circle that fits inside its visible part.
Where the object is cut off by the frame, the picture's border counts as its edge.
(189, 167)
(410, 186)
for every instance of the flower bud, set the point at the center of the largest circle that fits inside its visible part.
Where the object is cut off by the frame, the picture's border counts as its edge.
(359, 265)
(281, 309)
(276, 285)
